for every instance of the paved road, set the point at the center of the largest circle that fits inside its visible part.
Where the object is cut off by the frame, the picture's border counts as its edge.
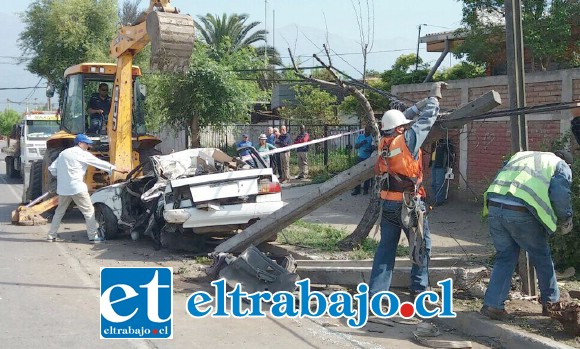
(49, 297)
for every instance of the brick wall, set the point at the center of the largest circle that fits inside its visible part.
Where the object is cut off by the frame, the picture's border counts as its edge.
(543, 92)
(489, 142)
(541, 134)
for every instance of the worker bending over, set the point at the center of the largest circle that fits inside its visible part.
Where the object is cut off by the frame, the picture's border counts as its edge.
(529, 200)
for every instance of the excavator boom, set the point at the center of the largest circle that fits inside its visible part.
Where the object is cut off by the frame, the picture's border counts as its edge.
(171, 35)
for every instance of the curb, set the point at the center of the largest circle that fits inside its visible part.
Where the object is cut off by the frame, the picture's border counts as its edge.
(476, 325)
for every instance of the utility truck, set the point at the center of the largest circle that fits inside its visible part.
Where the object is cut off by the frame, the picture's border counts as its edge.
(27, 144)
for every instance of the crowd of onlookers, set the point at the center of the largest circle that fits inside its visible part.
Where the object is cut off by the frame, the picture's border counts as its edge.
(280, 162)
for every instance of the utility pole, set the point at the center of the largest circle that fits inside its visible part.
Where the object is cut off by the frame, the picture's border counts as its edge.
(517, 94)
(417, 57)
(266, 27)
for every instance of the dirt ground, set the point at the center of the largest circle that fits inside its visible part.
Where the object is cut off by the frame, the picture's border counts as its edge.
(457, 228)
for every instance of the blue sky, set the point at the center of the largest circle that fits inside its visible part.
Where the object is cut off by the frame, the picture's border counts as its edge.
(302, 26)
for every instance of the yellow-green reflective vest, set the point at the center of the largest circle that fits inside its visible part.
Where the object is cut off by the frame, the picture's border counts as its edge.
(527, 176)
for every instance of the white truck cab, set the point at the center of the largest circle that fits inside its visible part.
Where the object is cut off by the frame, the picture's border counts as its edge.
(28, 145)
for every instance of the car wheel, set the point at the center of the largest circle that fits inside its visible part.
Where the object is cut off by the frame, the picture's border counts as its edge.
(108, 222)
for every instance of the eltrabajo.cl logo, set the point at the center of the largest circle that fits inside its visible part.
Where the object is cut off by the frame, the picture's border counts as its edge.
(136, 303)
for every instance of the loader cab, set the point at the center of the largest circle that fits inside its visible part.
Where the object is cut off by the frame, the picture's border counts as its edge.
(82, 82)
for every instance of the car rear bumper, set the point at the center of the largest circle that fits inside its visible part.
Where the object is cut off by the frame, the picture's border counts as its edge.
(193, 217)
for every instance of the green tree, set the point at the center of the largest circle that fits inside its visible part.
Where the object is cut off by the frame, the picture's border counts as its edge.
(403, 71)
(462, 70)
(350, 105)
(8, 118)
(59, 34)
(234, 33)
(129, 12)
(547, 30)
(209, 94)
(313, 105)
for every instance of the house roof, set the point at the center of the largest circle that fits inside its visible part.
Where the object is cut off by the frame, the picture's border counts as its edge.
(436, 41)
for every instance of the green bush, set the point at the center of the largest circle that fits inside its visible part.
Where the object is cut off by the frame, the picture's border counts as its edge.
(566, 248)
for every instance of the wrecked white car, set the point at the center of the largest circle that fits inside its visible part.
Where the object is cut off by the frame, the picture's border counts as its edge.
(197, 192)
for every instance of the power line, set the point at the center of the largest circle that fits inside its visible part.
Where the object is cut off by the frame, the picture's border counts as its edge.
(33, 90)
(17, 88)
(358, 53)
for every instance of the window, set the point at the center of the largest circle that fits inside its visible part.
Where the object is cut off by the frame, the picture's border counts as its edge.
(40, 129)
(73, 117)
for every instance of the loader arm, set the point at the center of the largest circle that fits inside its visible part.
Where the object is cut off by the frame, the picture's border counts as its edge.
(171, 36)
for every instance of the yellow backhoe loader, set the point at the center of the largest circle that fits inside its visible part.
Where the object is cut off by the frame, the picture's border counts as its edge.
(122, 138)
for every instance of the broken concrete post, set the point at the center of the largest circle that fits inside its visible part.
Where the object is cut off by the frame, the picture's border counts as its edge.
(476, 107)
(351, 273)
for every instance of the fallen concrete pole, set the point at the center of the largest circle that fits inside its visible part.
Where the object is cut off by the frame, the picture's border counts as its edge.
(478, 106)
(351, 273)
(269, 226)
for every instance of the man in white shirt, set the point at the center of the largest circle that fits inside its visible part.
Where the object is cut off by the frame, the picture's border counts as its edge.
(69, 169)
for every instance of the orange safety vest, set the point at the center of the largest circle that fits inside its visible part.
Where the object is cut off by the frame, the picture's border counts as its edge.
(396, 159)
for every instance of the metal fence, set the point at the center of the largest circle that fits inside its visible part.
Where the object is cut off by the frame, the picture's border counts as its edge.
(330, 156)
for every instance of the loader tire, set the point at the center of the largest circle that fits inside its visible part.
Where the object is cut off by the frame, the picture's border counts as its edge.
(48, 180)
(35, 181)
(108, 222)
(9, 160)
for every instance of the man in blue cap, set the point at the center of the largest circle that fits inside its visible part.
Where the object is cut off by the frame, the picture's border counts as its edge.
(69, 169)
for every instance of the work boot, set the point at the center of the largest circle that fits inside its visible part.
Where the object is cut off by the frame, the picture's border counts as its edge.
(494, 313)
(57, 238)
(545, 309)
(355, 192)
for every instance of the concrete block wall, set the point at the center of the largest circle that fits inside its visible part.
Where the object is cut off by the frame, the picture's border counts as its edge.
(483, 145)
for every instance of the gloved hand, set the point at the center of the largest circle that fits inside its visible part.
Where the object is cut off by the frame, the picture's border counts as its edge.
(436, 89)
(565, 227)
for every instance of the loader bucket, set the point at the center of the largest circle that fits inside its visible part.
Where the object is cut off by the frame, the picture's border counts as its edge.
(31, 214)
(171, 37)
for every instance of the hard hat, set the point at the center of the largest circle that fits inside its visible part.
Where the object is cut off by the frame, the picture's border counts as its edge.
(82, 138)
(393, 118)
(263, 136)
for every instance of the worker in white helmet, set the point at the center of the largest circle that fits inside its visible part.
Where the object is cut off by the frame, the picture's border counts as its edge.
(400, 167)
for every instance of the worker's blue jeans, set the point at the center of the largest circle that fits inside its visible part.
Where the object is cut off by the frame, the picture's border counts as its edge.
(511, 230)
(384, 261)
(438, 184)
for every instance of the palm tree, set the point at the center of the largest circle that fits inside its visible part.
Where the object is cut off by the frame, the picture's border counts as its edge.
(234, 32)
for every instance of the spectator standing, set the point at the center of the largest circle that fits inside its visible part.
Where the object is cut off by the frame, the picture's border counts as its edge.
(270, 135)
(245, 154)
(264, 146)
(302, 152)
(282, 141)
(365, 146)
